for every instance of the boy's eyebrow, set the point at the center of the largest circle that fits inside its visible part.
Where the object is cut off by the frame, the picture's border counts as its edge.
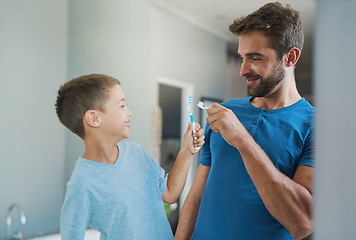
(122, 100)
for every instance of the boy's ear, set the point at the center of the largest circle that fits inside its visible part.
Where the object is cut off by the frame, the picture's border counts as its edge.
(292, 56)
(91, 118)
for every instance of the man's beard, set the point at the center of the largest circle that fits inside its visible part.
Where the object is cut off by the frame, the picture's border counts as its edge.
(265, 86)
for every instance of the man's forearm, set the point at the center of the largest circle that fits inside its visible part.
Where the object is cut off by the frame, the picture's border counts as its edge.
(190, 209)
(187, 218)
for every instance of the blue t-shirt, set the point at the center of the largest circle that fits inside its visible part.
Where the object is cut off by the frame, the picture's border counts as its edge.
(231, 207)
(121, 200)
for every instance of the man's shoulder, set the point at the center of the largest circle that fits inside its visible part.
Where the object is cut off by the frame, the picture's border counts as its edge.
(237, 101)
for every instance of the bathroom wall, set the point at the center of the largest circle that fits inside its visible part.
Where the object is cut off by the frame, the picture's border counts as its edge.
(33, 63)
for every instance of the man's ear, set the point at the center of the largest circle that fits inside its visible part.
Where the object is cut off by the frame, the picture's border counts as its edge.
(91, 118)
(292, 56)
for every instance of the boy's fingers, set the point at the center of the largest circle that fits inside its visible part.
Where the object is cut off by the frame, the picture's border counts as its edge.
(199, 140)
(190, 125)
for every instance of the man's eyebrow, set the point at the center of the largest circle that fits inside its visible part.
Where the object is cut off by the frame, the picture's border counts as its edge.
(255, 54)
(251, 54)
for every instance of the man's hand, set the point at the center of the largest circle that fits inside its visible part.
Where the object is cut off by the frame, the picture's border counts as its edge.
(224, 121)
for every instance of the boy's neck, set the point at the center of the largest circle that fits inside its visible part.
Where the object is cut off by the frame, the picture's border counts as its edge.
(100, 151)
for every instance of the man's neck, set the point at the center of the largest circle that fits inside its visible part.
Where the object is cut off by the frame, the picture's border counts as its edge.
(284, 95)
(271, 104)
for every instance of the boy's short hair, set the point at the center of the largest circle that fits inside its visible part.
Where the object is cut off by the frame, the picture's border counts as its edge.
(77, 96)
(281, 25)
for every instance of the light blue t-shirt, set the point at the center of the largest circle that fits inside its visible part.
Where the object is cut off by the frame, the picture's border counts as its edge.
(231, 207)
(121, 200)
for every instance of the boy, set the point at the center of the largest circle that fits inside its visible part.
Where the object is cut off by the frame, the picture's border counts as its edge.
(116, 188)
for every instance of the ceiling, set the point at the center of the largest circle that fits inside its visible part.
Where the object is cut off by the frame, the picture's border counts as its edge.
(215, 16)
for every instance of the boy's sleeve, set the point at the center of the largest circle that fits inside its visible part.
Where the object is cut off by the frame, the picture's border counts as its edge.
(75, 215)
(162, 176)
(158, 172)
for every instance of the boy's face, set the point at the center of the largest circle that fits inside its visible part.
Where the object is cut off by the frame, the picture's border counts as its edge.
(260, 67)
(116, 117)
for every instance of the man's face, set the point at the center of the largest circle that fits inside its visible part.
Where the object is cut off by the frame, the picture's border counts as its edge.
(260, 66)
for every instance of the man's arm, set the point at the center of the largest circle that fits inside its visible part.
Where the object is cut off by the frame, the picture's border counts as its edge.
(288, 200)
(191, 205)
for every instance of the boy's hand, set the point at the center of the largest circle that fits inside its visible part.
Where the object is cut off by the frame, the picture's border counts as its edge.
(189, 143)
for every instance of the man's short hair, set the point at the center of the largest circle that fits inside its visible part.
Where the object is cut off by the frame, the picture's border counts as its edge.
(281, 25)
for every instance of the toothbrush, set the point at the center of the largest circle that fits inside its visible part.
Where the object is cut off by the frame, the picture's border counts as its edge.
(190, 101)
(201, 105)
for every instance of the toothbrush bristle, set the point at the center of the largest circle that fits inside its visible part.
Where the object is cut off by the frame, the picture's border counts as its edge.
(190, 99)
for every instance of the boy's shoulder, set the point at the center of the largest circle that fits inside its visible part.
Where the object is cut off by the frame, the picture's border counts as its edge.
(135, 152)
(130, 146)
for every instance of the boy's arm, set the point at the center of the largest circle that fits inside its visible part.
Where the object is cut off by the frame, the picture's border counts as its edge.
(191, 204)
(178, 175)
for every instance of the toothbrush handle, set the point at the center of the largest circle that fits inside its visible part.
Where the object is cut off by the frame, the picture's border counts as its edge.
(193, 131)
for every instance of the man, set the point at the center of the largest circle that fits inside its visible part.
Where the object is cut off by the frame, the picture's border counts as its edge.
(255, 175)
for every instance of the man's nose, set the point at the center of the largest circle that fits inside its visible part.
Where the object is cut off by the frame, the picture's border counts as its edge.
(245, 68)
